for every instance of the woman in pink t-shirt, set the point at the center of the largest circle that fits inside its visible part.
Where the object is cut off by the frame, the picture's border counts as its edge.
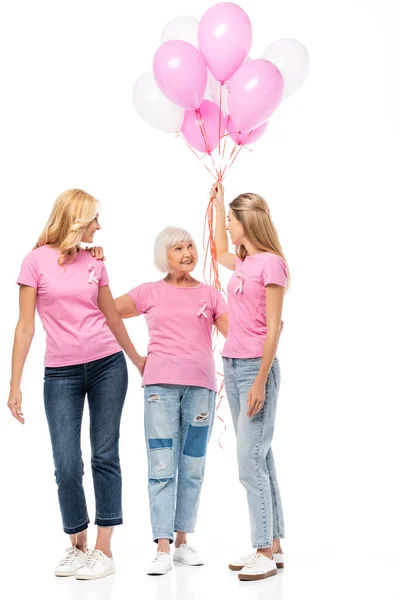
(85, 334)
(252, 375)
(179, 390)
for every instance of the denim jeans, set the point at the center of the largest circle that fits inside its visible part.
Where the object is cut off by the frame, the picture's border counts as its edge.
(105, 382)
(257, 470)
(178, 424)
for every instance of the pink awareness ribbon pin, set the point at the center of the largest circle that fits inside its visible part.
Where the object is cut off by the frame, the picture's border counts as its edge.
(92, 275)
(239, 288)
(202, 311)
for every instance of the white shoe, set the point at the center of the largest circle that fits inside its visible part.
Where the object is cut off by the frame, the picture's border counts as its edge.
(258, 567)
(188, 556)
(279, 560)
(71, 562)
(160, 565)
(97, 565)
(237, 565)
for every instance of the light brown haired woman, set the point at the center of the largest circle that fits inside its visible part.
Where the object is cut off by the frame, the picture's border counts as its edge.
(252, 374)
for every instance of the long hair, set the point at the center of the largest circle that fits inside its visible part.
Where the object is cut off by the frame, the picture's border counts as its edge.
(72, 213)
(252, 212)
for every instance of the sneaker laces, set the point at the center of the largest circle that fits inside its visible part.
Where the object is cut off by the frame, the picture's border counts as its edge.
(246, 559)
(72, 553)
(189, 548)
(253, 560)
(159, 556)
(93, 556)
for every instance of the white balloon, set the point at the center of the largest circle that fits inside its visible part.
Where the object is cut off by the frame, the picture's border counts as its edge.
(154, 107)
(292, 60)
(181, 28)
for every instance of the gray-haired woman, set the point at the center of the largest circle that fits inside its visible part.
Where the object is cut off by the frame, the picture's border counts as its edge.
(179, 389)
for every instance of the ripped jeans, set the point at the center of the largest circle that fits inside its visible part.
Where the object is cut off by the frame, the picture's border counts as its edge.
(178, 423)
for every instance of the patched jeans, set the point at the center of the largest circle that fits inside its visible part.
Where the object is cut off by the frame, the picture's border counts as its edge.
(105, 382)
(178, 424)
(254, 435)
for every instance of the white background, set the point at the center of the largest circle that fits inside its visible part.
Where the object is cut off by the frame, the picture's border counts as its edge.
(328, 167)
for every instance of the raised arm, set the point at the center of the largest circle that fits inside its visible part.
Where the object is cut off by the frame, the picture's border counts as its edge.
(24, 333)
(224, 257)
(113, 319)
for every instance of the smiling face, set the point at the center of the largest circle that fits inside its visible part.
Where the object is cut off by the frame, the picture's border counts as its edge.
(94, 226)
(235, 229)
(182, 258)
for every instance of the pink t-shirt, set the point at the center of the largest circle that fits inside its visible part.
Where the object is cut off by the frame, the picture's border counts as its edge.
(67, 305)
(180, 326)
(247, 306)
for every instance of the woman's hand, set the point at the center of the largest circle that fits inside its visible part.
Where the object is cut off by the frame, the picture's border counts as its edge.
(217, 192)
(141, 364)
(256, 398)
(96, 252)
(14, 404)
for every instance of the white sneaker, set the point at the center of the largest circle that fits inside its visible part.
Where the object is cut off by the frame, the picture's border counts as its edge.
(160, 565)
(188, 556)
(97, 565)
(237, 565)
(71, 562)
(279, 560)
(258, 567)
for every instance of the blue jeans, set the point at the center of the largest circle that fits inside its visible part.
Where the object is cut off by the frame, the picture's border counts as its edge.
(178, 424)
(105, 382)
(257, 470)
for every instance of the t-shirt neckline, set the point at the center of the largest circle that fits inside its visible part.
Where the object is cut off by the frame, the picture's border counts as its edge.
(179, 287)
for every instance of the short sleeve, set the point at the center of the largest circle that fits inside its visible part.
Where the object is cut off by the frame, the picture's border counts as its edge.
(103, 276)
(29, 273)
(274, 271)
(139, 295)
(219, 305)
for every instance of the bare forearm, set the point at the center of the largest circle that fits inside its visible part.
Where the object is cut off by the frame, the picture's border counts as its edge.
(269, 353)
(120, 333)
(221, 237)
(22, 342)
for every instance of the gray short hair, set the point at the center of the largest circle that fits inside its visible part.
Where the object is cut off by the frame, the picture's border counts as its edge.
(167, 238)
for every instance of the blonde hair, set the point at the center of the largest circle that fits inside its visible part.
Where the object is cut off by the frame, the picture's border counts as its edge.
(167, 238)
(72, 213)
(252, 212)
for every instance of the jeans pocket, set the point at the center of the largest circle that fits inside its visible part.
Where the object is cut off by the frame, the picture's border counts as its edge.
(196, 441)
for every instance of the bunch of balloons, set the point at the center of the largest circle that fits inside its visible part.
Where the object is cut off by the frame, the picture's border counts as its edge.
(205, 87)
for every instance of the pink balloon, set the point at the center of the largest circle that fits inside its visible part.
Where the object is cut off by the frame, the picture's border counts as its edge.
(206, 118)
(255, 92)
(181, 73)
(225, 37)
(244, 139)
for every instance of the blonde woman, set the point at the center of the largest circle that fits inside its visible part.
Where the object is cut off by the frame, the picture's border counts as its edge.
(252, 375)
(85, 334)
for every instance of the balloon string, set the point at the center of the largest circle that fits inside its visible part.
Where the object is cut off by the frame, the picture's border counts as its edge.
(200, 158)
(220, 396)
(219, 125)
(225, 136)
(204, 134)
